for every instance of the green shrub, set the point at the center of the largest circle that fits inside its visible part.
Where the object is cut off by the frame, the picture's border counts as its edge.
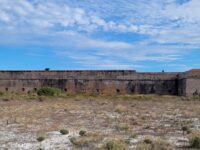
(40, 139)
(115, 145)
(186, 129)
(195, 142)
(1, 93)
(120, 109)
(80, 142)
(82, 133)
(64, 132)
(73, 140)
(143, 146)
(48, 91)
(127, 141)
(161, 144)
(147, 141)
(158, 144)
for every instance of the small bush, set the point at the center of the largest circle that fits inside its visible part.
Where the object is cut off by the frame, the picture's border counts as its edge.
(72, 140)
(115, 145)
(64, 132)
(40, 139)
(195, 142)
(89, 140)
(1, 94)
(120, 109)
(143, 147)
(148, 141)
(127, 141)
(158, 144)
(186, 129)
(82, 133)
(48, 91)
(161, 145)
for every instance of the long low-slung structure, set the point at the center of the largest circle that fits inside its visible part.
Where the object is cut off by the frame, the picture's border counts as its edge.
(103, 82)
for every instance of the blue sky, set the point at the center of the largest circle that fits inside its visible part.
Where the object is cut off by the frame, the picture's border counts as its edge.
(144, 35)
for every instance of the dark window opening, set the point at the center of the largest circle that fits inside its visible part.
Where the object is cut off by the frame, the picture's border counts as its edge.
(132, 89)
(97, 90)
(23, 89)
(153, 90)
(35, 89)
(6, 89)
(65, 90)
(170, 91)
(195, 93)
(118, 90)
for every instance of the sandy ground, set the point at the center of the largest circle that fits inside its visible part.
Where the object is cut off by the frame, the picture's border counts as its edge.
(23, 121)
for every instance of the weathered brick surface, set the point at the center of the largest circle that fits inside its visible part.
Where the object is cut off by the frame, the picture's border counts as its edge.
(105, 82)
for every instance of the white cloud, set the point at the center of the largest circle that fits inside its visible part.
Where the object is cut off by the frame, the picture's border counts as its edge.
(73, 28)
(22, 13)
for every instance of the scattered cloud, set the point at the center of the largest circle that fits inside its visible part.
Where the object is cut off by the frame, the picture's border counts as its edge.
(119, 33)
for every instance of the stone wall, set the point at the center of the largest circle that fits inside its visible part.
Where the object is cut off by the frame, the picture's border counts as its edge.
(104, 82)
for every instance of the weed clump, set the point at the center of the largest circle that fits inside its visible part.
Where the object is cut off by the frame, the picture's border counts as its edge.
(1, 94)
(48, 91)
(115, 145)
(82, 133)
(194, 140)
(148, 141)
(64, 132)
(186, 130)
(40, 139)
(89, 140)
(120, 109)
(159, 144)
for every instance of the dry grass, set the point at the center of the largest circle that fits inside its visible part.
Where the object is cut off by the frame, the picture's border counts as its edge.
(89, 140)
(153, 115)
(120, 109)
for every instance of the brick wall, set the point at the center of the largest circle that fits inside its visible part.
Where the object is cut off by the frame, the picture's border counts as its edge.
(105, 82)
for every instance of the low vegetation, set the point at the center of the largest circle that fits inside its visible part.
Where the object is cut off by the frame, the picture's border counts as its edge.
(89, 140)
(159, 144)
(40, 139)
(100, 122)
(64, 131)
(120, 109)
(82, 133)
(194, 140)
(116, 145)
(48, 91)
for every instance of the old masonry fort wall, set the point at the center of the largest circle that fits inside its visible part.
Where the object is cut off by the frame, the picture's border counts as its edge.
(103, 82)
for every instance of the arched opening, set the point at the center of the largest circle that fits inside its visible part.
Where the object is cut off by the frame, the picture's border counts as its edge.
(35, 89)
(170, 91)
(132, 89)
(118, 90)
(65, 89)
(97, 90)
(23, 89)
(153, 90)
(6, 89)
